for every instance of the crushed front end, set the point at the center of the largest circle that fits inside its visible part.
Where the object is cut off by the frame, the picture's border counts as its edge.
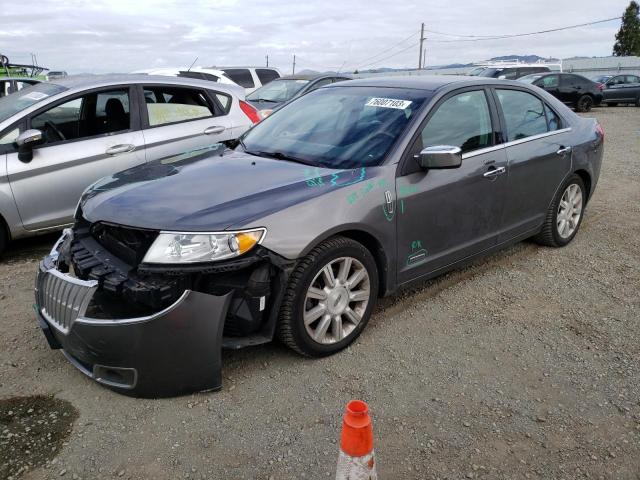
(152, 330)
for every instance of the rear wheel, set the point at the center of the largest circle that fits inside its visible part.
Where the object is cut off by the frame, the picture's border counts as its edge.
(584, 103)
(564, 216)
(329, 298)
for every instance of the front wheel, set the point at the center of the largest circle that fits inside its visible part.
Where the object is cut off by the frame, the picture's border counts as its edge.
(329, 299)
(564, 215)
(584, 103)
(4, 237)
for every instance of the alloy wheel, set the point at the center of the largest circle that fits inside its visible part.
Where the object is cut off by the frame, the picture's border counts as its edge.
(336, 300)
(569, 211)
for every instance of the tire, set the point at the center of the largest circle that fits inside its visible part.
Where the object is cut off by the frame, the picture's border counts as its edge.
(331, 334)
(554, 233)
(584, 103)
(4, 237)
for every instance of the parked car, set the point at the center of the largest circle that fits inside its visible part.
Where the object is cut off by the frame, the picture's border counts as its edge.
(622, 89)
(250, 78)
(57, 138)
(10, 85)
(56, 74)
(504, 72)
(571, 89)
(340, 196)
(209, 74)
(284, 89)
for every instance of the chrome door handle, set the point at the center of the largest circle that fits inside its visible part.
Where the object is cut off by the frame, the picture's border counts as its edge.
(118, 149)
(494, 172)
(563, 150)
(214, 130)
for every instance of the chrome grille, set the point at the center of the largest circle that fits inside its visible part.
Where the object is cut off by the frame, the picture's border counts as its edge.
(61, 299)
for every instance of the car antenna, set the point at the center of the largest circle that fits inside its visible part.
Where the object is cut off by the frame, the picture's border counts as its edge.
(189, 69)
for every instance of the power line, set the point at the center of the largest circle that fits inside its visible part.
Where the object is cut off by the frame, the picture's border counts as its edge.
(388, 57)
(478, 38)
(382, 52)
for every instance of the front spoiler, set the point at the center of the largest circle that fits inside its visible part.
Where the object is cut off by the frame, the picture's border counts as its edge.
(172, 352)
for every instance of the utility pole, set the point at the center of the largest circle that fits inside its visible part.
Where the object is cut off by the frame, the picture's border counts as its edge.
(421, 42)
(293, 70)
(267, 57)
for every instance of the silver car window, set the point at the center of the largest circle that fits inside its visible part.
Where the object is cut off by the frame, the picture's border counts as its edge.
(166, 105)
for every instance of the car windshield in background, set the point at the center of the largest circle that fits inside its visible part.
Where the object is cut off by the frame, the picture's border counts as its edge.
(601, 78)
(336, 127)
(28, 96)
(477, 71)
(490, 72)
(529, 78)
(277, 91)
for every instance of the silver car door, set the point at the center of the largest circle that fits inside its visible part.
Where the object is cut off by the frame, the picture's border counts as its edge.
(86, 138)
(179, 119)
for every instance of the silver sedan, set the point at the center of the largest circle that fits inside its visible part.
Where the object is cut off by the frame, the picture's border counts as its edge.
(58, 138)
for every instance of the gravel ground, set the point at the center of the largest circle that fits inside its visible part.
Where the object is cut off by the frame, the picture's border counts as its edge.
(524, 365)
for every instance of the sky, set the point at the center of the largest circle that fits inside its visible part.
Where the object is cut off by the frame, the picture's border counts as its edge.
(124, 35)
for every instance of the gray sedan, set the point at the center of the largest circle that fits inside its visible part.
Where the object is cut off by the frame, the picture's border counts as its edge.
(57, 138)
(622, 89)
(341, 196)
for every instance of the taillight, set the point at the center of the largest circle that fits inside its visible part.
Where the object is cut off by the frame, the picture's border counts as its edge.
(250, 112)
(600, 131)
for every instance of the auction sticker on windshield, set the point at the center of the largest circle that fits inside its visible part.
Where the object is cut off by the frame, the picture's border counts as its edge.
(388, 103)
(35, 96)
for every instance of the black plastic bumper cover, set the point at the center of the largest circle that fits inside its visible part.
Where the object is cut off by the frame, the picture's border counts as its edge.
(175, 351)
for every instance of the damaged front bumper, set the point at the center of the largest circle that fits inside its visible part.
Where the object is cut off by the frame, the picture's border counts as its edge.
(174, 351)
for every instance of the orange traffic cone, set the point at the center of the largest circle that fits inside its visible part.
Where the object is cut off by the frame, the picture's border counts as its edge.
(356, 460)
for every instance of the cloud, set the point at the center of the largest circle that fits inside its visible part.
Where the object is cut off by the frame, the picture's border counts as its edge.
(121, 36)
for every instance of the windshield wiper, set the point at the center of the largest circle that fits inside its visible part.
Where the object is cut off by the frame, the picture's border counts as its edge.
(282, 156)
(263, 100)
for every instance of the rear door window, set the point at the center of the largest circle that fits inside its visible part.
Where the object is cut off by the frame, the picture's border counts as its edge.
(166, 105)
(241, 76)
(266, 75)
(469, 112)
(549, 81)
(633, 79)
(523, 114)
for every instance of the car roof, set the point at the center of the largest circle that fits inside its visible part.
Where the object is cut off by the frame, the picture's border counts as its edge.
(21, 79)
(81, 82)
(313, 76)
(421, 82)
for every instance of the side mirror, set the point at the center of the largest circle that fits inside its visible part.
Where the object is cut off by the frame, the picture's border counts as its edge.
(440, 156)
(26, 141)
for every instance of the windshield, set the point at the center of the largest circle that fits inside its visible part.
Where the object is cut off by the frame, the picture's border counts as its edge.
(476, 71)
(14, 103)
(336, 127)
(277, 91)
(529, 78)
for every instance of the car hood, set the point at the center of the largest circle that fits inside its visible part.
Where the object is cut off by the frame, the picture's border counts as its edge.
(208, 192)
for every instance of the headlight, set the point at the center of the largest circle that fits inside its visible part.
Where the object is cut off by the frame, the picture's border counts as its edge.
(181, 247)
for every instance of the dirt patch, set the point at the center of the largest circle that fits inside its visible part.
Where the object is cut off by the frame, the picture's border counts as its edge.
(32, 430)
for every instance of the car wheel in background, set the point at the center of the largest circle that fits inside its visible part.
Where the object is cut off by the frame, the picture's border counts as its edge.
(564, 215)
(584, 103)
(329, 298)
